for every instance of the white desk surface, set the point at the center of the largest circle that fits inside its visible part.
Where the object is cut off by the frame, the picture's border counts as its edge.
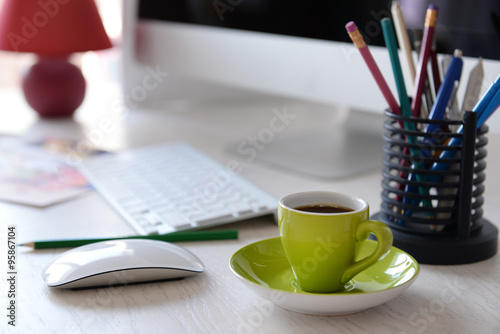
(215, 301)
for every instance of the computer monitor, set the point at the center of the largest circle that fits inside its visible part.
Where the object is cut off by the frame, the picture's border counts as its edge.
(296, 50)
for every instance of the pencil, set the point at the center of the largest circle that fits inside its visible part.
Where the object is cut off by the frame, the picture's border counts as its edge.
(359, 42)
(405, 45)
(425, 50)
(170, 237)
(427, 102)
(436, 78)
(390, 41)
(403, 38)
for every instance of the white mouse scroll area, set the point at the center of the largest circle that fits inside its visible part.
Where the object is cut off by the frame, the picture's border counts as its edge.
(120, 262)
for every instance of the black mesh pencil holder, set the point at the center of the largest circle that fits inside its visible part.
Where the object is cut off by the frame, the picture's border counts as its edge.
(433, 200)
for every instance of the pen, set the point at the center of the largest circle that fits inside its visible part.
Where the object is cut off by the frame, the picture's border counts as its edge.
(471, 97)
(430, 23)
(490, 108)
(359, 42)
(486, 105)
(484, 109)
(445, 63)
(452, 110)
(170, 237)
(445, 91)
(473, 90)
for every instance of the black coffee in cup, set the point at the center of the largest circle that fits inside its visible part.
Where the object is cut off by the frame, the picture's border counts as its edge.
(323, 208)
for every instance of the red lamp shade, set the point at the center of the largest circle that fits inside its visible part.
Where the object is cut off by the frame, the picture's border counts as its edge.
(53, 29)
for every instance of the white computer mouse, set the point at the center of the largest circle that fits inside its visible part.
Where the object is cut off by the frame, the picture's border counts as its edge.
(121, 262)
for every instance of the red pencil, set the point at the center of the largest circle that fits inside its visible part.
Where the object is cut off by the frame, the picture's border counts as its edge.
(359, 42)
(430, 23)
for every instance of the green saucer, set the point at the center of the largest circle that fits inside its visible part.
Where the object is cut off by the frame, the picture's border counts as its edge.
(265, 269)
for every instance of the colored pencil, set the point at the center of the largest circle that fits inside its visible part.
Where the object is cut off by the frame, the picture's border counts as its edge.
(390, 41)
(359, 42)
(425, 50)
(436, 77)
(170, 237)
(403, 38)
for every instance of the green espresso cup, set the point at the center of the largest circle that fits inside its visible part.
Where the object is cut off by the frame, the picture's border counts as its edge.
(319, 231)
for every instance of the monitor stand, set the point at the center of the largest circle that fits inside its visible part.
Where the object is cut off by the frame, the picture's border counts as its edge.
(342, 146)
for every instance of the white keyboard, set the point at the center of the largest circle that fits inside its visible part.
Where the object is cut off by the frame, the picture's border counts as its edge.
(173, 187)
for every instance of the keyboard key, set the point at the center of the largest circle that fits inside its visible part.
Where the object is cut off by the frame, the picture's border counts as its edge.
(213, 217)
(175, 220)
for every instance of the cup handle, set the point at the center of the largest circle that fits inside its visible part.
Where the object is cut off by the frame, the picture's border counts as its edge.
(384, 240)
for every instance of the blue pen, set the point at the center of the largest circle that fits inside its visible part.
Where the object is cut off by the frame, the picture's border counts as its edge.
(483, 103)
(438, 110)
(449, 85)
(488, 111)
(453, 75)
(485, 108)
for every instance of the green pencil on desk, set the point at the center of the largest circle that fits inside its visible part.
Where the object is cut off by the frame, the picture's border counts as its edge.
(170, 237)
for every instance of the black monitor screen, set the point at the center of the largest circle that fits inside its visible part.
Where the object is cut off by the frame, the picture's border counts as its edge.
(472, 26)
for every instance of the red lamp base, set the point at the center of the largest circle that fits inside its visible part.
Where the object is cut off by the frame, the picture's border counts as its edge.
(54, 87)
